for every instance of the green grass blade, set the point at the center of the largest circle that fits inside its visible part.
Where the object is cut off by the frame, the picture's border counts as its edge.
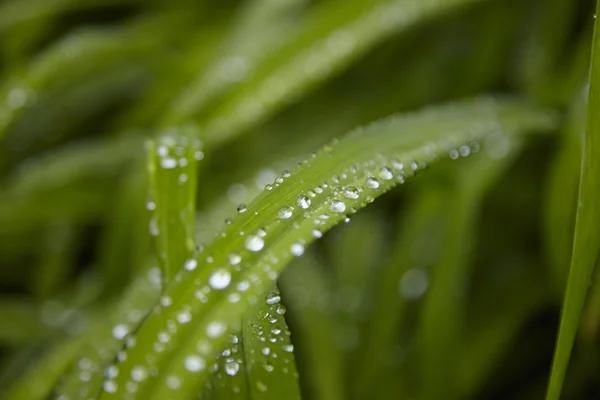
(288, 216)
(332, 40)
(270, 363)
(304, 285)
(45, 373)
(106, 336)
(172, 168)
(586, 244)
(441, 324)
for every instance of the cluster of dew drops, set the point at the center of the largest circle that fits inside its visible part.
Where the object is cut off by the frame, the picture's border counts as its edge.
(345, 197)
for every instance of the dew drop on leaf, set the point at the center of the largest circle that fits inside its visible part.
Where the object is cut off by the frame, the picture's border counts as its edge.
(231, 368)
(303, 202)
(372, 183)
(219, 279)
(120, 331)
(168, 163)
(194, 363)
(191, 264)
(273, 298)
(337, 206)
(254, 243)
(215, 329)
(284, 213)
(386, 174)
(297, 249)
(350, 192)
(234, 258)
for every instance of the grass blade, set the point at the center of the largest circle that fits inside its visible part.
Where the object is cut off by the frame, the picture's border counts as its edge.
(172, 169)
(288, 216)
(586, 244)
(317, 53)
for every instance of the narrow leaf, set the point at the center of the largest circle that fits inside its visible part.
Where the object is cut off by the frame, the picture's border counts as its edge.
(586, 244)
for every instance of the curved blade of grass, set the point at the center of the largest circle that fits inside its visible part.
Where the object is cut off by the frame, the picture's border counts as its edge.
(172, 170)
(586, 244)
(332, 40)
(374, 159)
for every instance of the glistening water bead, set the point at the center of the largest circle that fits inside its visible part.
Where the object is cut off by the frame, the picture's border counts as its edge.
(303, 202)
(337, 206)
(219, 279)
(254, 243)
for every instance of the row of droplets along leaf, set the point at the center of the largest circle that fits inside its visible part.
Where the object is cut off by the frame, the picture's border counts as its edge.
(371, 159)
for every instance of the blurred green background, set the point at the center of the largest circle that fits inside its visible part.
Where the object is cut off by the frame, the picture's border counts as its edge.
(83, 83)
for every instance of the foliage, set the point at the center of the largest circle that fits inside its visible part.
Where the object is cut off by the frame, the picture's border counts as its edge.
(179, 182)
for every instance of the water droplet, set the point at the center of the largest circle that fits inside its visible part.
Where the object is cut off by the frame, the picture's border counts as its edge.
(254, 243)
(111, 372)
(268, 367)
(194, 363)
(234, 258)
(317, 233)
(219, 279)
(109, 386)
(285, 213)
(285, 173)
(372, 183)
(168, 163)
(242, 208)
(453, 154)
(386, 174)
(303, 202)
(261, 386)
(191, 264)
(464, 150)
(215, 329)
(413, 284)
(150, 205)
(337, 206)
(280, 309)
(288, 348)
(139, 373)
(231, 368)
(120, 331)
(350, 192)
(173, 382)
(184, 317)
(243, 286)
(297, 249)
(273, 298)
